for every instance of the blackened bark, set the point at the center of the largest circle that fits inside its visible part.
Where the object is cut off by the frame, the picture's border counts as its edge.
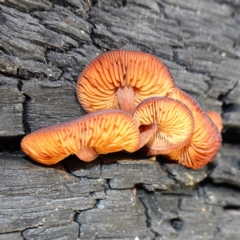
(44, 46)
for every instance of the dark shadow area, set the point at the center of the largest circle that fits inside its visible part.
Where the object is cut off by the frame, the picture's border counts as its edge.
(60, 2)
(231, 207)
(141, 188)
(229, 107)
(177, 223)
(25, 121)
(231, 135)
(209, 182)
(162, 160)
(79, 168)
(10, 144)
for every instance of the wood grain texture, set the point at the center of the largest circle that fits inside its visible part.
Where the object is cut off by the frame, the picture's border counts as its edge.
(44, 46)
(11, 107)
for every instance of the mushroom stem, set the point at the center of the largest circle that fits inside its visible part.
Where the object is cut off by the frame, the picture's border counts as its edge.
(146, 132)
(86, 154)
(125, 96)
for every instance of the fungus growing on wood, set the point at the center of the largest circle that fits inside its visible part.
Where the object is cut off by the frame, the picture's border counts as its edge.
(217, 119)
(95, 133)
(122, 79)
(205, 141)
(172, 120)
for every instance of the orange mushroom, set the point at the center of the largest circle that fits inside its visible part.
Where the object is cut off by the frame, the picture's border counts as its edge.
(122, 79)
(205, 141)
(172, 120)
(95, 133)
(217, 119)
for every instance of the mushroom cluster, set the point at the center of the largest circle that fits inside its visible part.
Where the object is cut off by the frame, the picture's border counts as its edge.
(133, 104)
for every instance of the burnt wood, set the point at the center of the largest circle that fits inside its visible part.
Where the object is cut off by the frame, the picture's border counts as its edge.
(44, 46)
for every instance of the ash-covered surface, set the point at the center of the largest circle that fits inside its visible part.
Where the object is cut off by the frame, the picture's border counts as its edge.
(44, 46)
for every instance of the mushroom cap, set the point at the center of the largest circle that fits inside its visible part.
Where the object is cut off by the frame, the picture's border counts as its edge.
(205, 141)
(173, 120)
(217, 119)
(122, 74)
(103, 131)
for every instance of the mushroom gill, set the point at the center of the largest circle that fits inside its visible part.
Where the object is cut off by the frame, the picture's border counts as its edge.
(205, 141)
(95, 133)
(172, 120)
(122, 79)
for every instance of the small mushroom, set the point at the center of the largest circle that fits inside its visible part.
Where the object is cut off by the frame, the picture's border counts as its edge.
(122, 79)
(96, 133)
(217, 119)
(205, 141)
(172, 121)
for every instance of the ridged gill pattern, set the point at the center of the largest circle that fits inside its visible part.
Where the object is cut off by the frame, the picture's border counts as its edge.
(145, 73)
(173, 120)
(106, 131)
(206, 139)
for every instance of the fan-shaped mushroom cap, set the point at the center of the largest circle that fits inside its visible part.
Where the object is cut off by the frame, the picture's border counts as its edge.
(122, 79)
(95, 133)
(205, 141)
(173, 122)
(217, 119)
